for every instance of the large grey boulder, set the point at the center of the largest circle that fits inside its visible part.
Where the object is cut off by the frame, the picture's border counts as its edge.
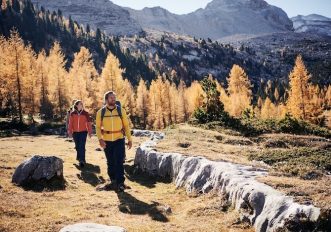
(264, 207)
(38, 169)
(91, 227)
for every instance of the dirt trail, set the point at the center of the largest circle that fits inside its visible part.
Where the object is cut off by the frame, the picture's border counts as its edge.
(140, 208)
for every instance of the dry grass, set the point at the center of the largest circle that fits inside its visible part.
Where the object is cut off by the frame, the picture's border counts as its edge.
(138, 209)
(211, 144)
(317, 192)
(226, 145)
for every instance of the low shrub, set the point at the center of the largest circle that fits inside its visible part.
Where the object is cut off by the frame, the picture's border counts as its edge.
(303, 162)
(252, 126)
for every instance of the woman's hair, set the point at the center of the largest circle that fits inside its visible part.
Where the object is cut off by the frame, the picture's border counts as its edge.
(76, 104)
(107, 94)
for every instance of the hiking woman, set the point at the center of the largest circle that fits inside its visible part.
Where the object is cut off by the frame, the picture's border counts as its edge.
(79, 127)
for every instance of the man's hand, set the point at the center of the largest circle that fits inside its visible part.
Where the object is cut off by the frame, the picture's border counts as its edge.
(90, 135)
(69, 135)
(102, 143)
(129, 144)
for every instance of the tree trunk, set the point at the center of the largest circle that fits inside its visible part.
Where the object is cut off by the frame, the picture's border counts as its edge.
(18, 87)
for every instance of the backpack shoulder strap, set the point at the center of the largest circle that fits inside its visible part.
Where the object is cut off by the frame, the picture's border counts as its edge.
(103, 112)
(119, 110)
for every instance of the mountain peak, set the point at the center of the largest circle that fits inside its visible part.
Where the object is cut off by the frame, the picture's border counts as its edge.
(312, 23)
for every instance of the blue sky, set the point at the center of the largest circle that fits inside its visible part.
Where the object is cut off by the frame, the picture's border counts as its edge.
(291, 7)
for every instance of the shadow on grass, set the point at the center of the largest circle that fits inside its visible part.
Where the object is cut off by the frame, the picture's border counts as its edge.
(131, 205)
(135, 175)
(54, 184)
(88, 174)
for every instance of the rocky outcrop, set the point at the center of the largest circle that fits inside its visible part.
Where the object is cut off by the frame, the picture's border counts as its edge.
(147, 133)
(102, 14)
(37, 170)
(264, 207)
(91, 227)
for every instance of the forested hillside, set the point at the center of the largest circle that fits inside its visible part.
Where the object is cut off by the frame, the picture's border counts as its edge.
(41, 28)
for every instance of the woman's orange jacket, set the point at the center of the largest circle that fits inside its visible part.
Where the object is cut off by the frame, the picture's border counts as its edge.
(79, 121)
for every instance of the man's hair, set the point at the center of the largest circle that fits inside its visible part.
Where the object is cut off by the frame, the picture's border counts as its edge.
(107, 94)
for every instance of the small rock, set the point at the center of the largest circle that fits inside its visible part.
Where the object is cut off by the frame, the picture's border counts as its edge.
(272, 143)
(167, 209)
(311, 175)
(219, 137)
(38, 168)
(91, 227)
(184, 145)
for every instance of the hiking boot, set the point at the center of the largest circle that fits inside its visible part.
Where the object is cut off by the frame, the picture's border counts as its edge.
(108, 186)
(81, 164)
(120, 188)
(112, 182)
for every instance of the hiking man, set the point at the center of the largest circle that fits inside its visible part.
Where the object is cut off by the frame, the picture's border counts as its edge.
(112, 125)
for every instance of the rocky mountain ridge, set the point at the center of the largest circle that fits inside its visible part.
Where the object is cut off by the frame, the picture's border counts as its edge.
(218, 19)
(102, 14)
(313, 23)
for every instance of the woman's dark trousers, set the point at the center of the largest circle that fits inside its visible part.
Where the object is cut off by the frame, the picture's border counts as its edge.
(80, 142)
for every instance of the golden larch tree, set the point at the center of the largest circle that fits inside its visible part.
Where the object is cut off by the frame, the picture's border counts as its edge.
(195, 96)
(6, 83)
(45, 106)
(301, 102)
(142, 102)
(268, 109)
(239, 90)
(315, 107)
(112, 76)
(128, 99)
(165, 101)
(82, 76)
(328, 97)
(181, 103)
(57, 79)
(173, 92)
(31, 85)
(155, 114)
(16, 70)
